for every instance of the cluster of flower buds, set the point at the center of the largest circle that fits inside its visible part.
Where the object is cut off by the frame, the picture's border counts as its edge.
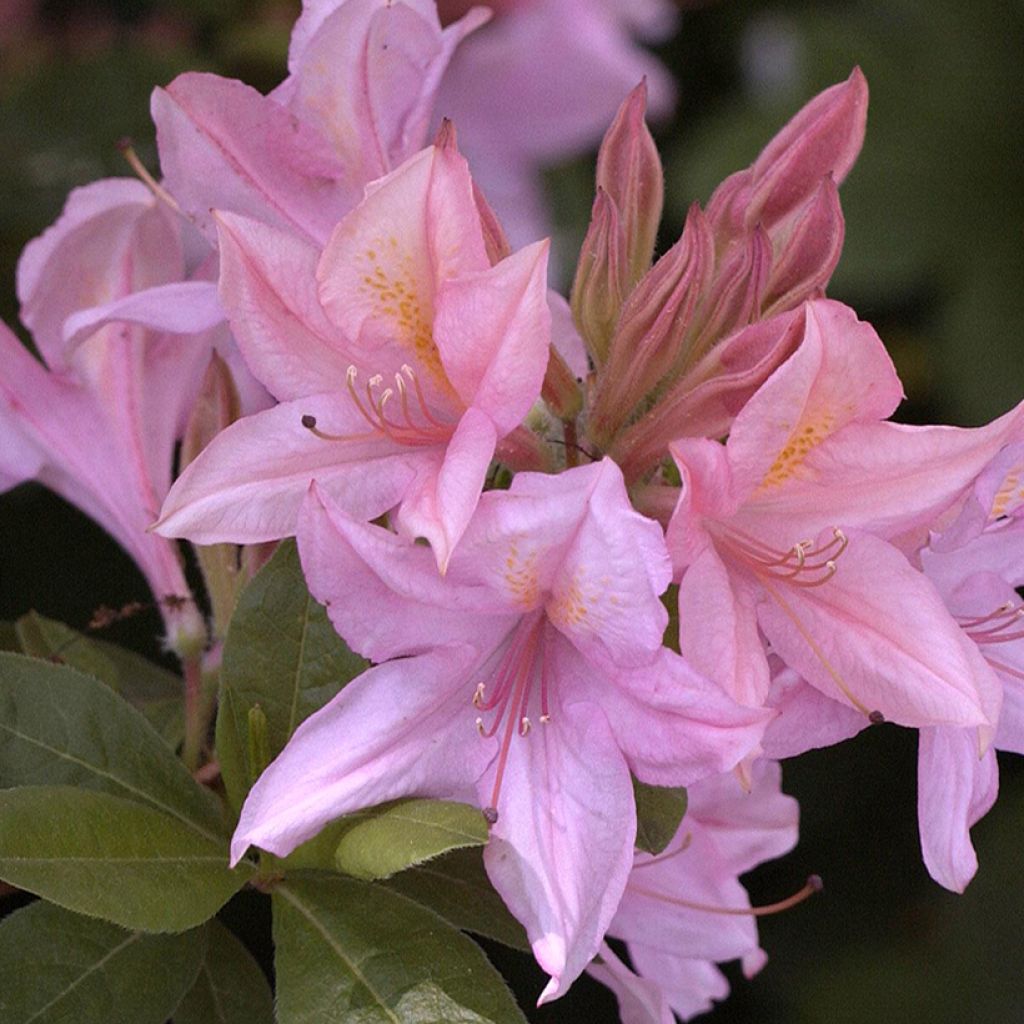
(702, 431)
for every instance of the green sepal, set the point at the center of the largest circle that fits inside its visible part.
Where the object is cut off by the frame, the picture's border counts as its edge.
(659, 811)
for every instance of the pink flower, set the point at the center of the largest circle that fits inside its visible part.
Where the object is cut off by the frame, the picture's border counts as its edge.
(355, 105)
(782, 531)
(540, 84)
(99, 421)
(685, 909)
(401, 357)
(544, 638)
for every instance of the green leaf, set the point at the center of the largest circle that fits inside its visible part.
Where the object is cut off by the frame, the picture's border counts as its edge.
(659, 810)
(59, 727)
(9, 637)
(456, 886)
(230, 987)
(282, 654)
(381, 842)
(116, 859)
(61, 968)
(53, 641)
(350, 951)
(155, 691)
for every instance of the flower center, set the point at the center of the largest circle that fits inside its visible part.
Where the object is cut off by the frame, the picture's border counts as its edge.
(802, 565)
(411, 424)
(508, 695)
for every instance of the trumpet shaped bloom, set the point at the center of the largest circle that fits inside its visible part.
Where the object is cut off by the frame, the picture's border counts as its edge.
(401, 358)
(355, 105)
(98, 421)
(783, 531)
(530, 680)
(685, 910)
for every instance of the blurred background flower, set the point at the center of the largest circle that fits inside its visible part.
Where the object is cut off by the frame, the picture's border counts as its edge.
(934, 258)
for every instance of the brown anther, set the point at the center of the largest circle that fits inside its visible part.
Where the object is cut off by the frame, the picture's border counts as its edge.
(309, 422)
(491, 815)
(876, 718)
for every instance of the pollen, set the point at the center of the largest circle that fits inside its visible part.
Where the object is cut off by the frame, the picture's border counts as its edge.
(807, 436)
(1009, 495)
(521, 576)
(389, 282)
(570, 606)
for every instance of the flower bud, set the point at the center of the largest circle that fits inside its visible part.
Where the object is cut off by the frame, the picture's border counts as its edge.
(629, 171)
(599, 286)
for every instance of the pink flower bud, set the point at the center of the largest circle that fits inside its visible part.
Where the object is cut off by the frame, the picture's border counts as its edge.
(599, 287)
(629, 170)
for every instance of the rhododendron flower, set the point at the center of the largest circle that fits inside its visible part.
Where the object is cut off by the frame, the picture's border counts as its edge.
(401, 357)
(99, 421)
(544, 638)
(355, 105)
(782, 531)
(539, 84)
(685, 909)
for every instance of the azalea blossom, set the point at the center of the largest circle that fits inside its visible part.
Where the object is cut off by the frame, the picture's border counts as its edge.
(401, 357)
(97, 421)
(356, 104)
(531, 681)
(783, 531)
(685, 910)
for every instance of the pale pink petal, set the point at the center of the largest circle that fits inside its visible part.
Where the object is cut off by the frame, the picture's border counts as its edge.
(690, 984)
(248, 484)
(806, 718)
(564, 336)
(402, 729)
(184, 307)
(440, 501)
(404, 606)
(955, 788)
(878, 633)
(889, 478)
(268, 287)
(606, 595)
(384, 262)
(706, 492)
(640, 1000)
(493, 329)
(672, 724)
(718, 632)
(562, 847)
(839, 374)
(224, 146)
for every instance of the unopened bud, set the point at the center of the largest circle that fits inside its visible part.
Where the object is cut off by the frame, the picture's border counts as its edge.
(599, 286)
(629, 171)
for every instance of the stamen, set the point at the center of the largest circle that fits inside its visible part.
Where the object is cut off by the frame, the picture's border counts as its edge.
(811, 886)
(128, 152)
(524, 726)
(490, 815)
(478, 696)
(996, 625)
(876, 718)
(793, 566)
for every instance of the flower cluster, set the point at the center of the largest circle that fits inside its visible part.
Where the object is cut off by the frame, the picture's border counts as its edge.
(663, 533)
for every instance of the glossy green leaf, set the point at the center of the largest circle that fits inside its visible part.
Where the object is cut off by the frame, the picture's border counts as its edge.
(62, 968)
(381, 842)
(53, 641)
(282, 654)
(659, 810)
(100, 855)
(456, 886)
(350, 951)
(59, 727)
(230, 987)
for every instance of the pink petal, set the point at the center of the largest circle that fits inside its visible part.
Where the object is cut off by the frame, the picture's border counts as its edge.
(640, 1000)
(268, 287)
(439, 503)
(562, 847)
(408, 731)
(248, 484)
(404, 606)
(493, 329)
(955, 789)
(806, 718)
(224, 146)
(879, 626)
(184, 307)
(840, 374)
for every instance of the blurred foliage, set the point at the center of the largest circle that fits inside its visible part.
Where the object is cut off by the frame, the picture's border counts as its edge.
(934, 258)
